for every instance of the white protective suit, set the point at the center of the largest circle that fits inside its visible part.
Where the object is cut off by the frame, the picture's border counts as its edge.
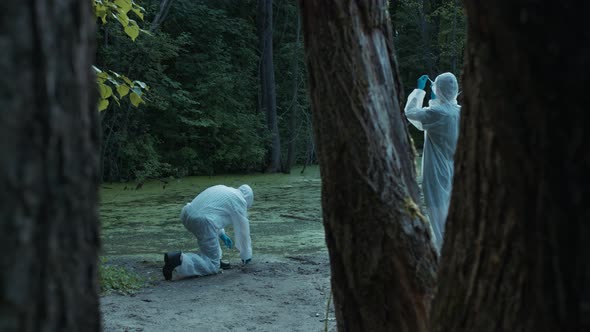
(206, 217)
(440, 123)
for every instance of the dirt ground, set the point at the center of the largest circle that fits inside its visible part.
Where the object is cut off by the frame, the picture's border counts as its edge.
(285, 288)
(273, 293)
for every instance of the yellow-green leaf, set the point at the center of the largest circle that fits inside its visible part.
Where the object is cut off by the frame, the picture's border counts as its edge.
(138, 12)
(124, 4)
(132, 30)
(102, 105)
(105, 91)
(123, 90)
(135, 99)
(127, 80)
(123, 19)
(101, 77)
(100, 11)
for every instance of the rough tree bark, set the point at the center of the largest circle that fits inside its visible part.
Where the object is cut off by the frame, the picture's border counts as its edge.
(517, 244)
(382, 261)
(49, 137)
(267, 81)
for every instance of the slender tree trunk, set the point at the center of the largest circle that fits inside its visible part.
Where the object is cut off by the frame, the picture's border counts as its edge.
(434, 27)
(294, 102)
(260, 35)
(49, 170)
(309, 150)
(310, 146)
(382, 260)
(517, 244)
(393, 6)
(267, 79)
(456, 7)
(425, 35)
(106, 36)
(161, 15)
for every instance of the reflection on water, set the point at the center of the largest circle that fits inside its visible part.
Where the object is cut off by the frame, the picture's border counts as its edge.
(285, 218)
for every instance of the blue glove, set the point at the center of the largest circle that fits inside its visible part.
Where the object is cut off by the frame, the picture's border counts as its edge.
(422, 82)
(246, 261)
(226, 240)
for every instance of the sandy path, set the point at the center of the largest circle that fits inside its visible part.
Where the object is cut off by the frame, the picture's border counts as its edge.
(286, 293)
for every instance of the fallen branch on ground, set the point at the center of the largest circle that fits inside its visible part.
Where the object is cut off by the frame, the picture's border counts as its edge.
(297, 217)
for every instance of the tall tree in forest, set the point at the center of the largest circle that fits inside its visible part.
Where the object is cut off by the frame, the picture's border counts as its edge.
(429, 35)
(267, 84)
(425, 28)
(294, 106)
(49, 137)
(516, 249)
(382, 260)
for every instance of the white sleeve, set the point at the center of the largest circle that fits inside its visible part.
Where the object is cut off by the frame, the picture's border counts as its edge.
(242, 234)
(414, 110)
(423, 118)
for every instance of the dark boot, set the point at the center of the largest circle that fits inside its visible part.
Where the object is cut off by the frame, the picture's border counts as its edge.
(171, 260)
(224, 265)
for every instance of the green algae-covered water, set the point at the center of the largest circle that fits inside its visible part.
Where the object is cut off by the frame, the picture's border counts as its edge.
(285, 218)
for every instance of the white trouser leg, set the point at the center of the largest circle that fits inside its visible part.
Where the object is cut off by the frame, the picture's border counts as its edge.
(207, 261)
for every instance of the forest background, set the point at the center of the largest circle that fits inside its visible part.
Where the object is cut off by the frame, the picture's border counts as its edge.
(207, 108)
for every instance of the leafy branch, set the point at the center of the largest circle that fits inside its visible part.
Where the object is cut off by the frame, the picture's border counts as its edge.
(123, 86)
(109, 80)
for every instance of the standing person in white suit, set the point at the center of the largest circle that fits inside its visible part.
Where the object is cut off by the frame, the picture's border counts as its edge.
(440, 123)
(206, 217)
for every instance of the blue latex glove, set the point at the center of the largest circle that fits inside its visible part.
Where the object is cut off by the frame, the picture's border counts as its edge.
(246, 261)
(422, 82)
(226, 240)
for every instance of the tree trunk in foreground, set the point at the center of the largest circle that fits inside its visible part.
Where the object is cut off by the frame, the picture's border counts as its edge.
(382, 260)
(49, 138)
(517, 246)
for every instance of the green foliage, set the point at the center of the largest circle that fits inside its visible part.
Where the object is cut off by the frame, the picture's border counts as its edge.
(429, 37)
(142, 152)
(122, 85)
(119, 9)
(202, 65)
(118, 279)
(109, 81)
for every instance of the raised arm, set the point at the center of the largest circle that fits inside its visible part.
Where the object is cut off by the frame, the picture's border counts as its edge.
(414, 110)
(242, 234)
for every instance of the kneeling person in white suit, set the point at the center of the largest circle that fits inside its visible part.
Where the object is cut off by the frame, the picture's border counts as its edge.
(206, 217)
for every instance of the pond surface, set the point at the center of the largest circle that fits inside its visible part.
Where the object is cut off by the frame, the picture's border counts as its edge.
(285, 218)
